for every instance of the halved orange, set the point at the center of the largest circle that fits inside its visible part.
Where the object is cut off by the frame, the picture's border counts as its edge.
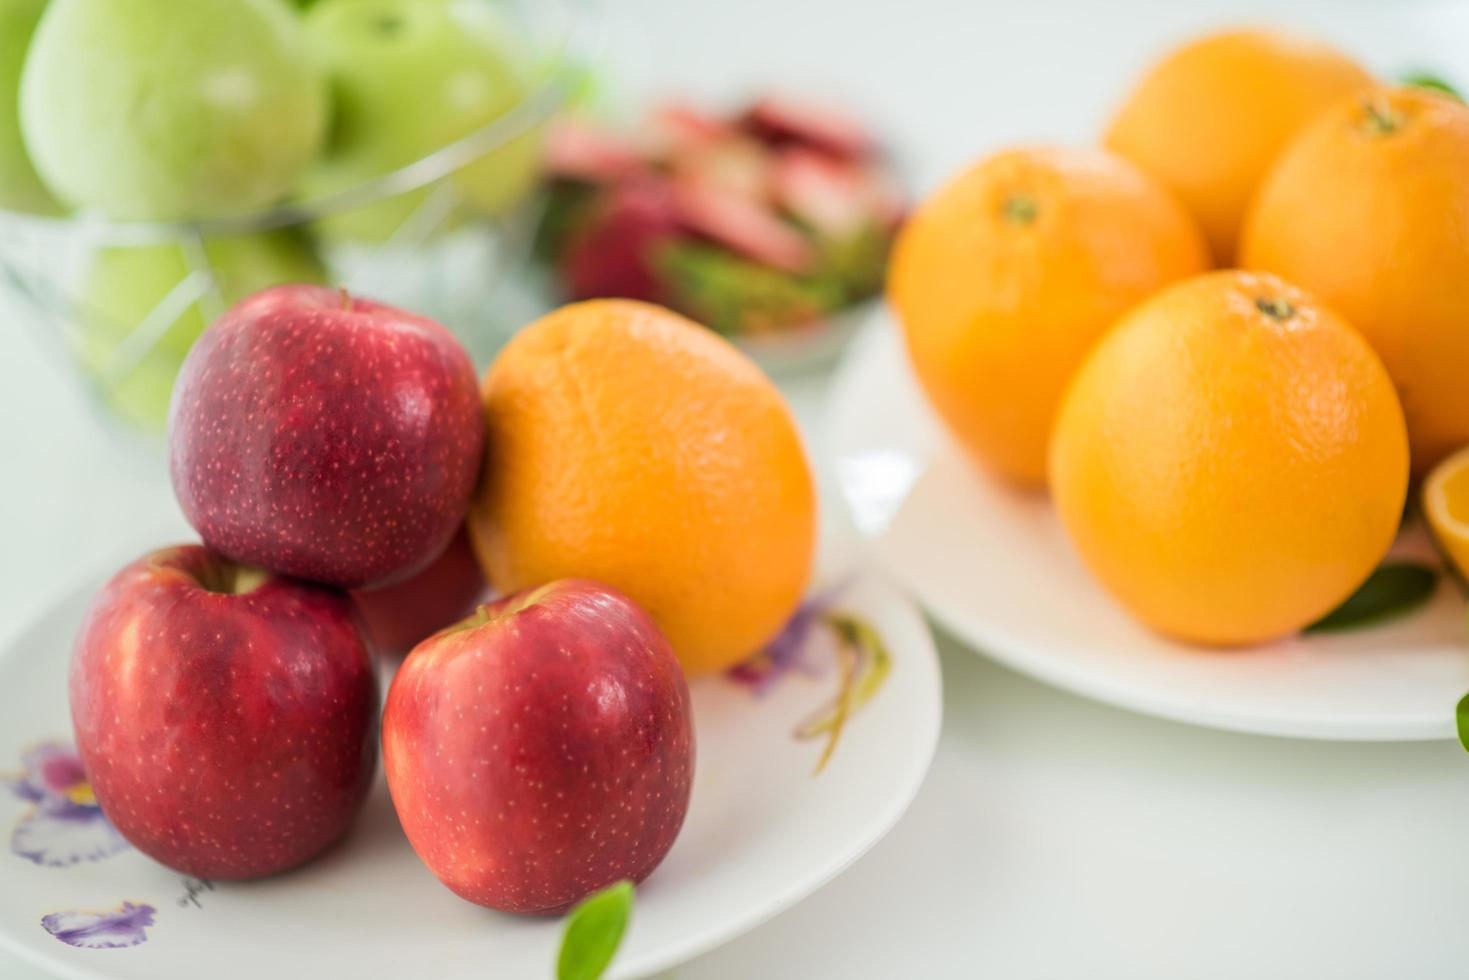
(1446, 502)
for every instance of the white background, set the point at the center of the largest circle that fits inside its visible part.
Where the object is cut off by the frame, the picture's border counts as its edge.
(1054, 837)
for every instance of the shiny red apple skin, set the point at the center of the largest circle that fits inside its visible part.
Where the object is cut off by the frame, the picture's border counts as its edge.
(398, 616)
(227, 736)
(326, 437)
(541, 750)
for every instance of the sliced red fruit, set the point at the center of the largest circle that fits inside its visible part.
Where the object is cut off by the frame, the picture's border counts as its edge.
(781, 120)
(747, 227)
(612, 254)
(736, 164)
(834, 196)
(676, 128)
(577, 150)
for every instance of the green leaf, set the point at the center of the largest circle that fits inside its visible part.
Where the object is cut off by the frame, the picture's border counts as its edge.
(593, 932)
(1461, 717)
(1393, 589)
(1423, 79)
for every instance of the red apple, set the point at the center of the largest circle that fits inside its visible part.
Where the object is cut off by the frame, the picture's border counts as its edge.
(325, 437)
(398, 616)
(542, 749)
(226, 718)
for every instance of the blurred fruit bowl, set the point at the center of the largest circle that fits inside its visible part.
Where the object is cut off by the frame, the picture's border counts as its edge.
(425, 190)
(770, 224)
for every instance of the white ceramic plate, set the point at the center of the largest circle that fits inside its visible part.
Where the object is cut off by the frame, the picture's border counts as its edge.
(762, 833)
(995, 568)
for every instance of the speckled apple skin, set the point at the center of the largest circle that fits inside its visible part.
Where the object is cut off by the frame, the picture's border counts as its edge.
(226, 736)
(542, 754)
(400, 616)
(328, 438)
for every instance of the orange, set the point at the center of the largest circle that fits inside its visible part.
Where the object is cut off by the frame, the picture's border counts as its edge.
(1369, 210)
(1004, 278)
(627, 444)
(1231, 461)
(1210, 117)
(1446, 502)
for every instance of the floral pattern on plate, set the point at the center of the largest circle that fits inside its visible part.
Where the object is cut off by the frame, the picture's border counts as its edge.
(800, 647)
(65, 825)
(117, 928)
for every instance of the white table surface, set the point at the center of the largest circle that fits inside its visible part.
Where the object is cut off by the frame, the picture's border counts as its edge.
(1054, 837)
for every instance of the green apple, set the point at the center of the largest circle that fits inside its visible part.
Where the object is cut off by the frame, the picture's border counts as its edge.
(409, 77)
(171, 110)
(125, 292)
(20, 188)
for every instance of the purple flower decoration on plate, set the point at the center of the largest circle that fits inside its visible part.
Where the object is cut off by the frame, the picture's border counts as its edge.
(816, 635)
(116, 928)
(792, 649)
(65, 825)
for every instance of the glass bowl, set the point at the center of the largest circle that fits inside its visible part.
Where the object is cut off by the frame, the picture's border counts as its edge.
(162, 283)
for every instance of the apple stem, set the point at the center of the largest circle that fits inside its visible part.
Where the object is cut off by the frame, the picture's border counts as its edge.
(228, 578)
(247, 578)
(481, 615)
(487, 612)
(346, 297)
